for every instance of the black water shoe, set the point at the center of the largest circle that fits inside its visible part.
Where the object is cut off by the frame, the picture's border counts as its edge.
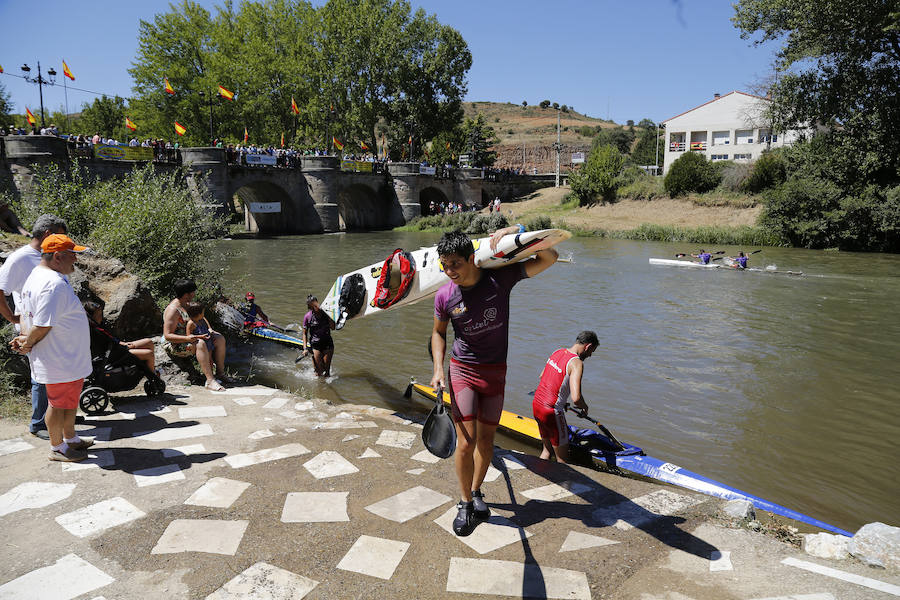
(480, 509)
(465, 522)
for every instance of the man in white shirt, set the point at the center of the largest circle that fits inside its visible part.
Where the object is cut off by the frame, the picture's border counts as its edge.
(56, 337)
(13, 274)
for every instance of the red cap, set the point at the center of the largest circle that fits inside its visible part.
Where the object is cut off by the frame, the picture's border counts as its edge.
(57, 242)
(250, 296)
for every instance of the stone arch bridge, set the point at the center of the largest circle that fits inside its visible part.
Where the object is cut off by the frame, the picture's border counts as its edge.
(317, 197)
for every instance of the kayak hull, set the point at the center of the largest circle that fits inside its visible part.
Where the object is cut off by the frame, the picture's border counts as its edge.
(669, 262)
(633, 459)
(276, 336)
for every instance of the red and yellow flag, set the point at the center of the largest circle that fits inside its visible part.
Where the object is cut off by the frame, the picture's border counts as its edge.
(67, 72)
(410, 140)
(179, 128)
(246, 135)
(29, 117)
(282, 139)
(130, 124)
(1, 68)
(294, 108)
(169, 89)
(448, 145)
(226, 94)
(384, 145)
(363, 145)
(337, 144)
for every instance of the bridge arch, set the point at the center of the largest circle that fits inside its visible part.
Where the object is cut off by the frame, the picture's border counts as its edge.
(287, 220)
(429, 194)
(360, 207)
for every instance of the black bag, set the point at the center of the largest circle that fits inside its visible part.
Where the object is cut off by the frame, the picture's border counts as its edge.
(352, 298)
(439, 432)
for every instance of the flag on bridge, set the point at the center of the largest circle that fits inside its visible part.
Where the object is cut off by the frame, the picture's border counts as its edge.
(29, 117)
(228, 95)
(282, 139)
(337, 144)
(448, 145)
(363, 145)
(383, 145)
(169, 89)
(1, 68)
(294, 108)
(67, 72)
(130, 124)
(179, 128)
(246, 135)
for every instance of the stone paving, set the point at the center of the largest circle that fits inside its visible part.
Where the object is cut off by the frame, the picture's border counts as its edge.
(254, 494)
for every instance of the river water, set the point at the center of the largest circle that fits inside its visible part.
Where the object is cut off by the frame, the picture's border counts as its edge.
(785, 387)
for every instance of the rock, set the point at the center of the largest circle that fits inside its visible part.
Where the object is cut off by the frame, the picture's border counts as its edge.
(826, 545)
(754, 525)
(132, 310)
(740, 510)
(877, 545)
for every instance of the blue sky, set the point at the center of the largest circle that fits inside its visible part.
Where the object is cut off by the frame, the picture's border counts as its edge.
(607, 58)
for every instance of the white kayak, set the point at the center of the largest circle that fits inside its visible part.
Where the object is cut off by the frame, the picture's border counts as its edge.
(670, 262)
(359, 288)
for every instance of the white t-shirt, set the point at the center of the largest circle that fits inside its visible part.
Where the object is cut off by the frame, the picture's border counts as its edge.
(64, 354)
(15, 271)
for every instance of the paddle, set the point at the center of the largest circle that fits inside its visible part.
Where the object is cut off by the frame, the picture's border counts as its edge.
(605, 431)
(682, 254)
(439, 432)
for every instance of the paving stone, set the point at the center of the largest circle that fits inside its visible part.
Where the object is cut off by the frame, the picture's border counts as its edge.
(643, 509)
(376, 557)
(868, 582)
(290, 414)
(246, 391)
(183, 451)
(14, 445)
(208, 535)
(492, 474)
(100, 434)
(158, 475)
(553, 491)
(490, 535)
(268, 454)
(426, 457)
(95, 460)
(329, 464)
(258, 435)
(218, 492)
(263, 581)
(582, 541)
(350, 437)
(289, 430)
(275, 403)
(34, 494)
(507, 578)
(201, 412)
(168, 434)
(305, 405)
(99, 517)
(416, 471)
(244, 401)
(345, 425)
(69, 577)
(369, 453)
(820, 596)
(315, 507)
(409, 504)
(720, 560)
(397, 439)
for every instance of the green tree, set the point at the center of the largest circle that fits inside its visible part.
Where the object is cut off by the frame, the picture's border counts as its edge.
(619, 137)
(645, 150)
(524, 103)
(600, 177)
(545, 103)
(104, 115)
(479, 138)
(5, 107)
(646, 123)
(690, 173)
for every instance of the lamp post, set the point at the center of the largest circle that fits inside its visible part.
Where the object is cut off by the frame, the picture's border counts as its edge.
(41, 82)
(209, 101)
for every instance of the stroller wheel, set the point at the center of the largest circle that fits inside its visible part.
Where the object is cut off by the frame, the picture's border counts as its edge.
(93, 400)
(154, 388)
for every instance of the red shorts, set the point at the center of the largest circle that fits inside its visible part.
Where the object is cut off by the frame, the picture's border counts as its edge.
(552, 424)
(476, 391)
(64, 395)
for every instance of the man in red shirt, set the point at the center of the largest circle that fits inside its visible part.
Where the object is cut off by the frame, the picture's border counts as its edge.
(561, 384)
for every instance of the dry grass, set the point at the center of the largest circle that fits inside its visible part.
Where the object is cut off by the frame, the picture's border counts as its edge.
(629, 214)
(533, 124)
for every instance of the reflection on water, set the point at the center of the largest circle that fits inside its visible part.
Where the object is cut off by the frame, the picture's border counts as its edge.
(783, 386)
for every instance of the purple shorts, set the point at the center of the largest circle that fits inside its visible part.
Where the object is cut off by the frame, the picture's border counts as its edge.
(476, 391)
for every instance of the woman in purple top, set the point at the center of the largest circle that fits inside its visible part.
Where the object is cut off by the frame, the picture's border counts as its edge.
(704, 257)
(476, 301)
(317, 326)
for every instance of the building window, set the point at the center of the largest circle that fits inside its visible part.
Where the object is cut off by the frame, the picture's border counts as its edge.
(743, 136)
(741, 157)
(719, 157)
(720, 138)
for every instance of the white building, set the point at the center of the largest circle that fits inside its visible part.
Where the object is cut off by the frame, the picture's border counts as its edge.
(733, 126)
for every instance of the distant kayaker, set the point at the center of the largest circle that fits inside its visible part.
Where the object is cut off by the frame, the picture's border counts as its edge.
(253, 314)
(476, 301)
(740, 262)
(704, 257)
(560, 385)
(317, 326)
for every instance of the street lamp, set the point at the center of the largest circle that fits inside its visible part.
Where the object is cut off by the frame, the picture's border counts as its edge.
(41, 82)
(211, 136)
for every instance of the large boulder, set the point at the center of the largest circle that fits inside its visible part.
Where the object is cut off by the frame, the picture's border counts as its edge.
(826, 545)
(877, 545)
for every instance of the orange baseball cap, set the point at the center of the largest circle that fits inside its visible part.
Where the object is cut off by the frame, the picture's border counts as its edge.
(58, 242)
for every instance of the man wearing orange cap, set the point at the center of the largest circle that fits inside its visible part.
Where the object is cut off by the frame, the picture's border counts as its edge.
(56, 338)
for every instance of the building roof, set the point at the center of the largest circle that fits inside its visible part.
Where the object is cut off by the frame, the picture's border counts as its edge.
(715, 100)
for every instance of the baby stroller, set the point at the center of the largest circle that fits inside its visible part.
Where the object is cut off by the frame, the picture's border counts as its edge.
(115, 369)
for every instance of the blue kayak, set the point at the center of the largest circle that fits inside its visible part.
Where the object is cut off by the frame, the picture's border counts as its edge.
(270, 334)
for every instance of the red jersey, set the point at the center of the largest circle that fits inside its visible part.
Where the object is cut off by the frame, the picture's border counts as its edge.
(553, 391)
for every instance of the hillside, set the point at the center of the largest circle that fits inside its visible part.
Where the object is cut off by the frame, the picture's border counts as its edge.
(534, 128)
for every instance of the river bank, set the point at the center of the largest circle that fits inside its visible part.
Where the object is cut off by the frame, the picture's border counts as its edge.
(297, 497)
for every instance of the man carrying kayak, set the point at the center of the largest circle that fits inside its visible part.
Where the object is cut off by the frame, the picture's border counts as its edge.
(561, 384)
(704, 257)
(476, 301)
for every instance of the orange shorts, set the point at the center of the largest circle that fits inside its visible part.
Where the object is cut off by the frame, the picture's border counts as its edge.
(64, 395)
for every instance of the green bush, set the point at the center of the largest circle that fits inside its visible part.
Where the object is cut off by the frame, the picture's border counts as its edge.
(646, 187)
(768, 171)
(733, 175)
(601, 176)
(690, 173)
(537, 223)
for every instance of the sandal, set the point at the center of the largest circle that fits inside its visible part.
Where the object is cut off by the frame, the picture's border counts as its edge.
(225, 379)
(214, 386)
